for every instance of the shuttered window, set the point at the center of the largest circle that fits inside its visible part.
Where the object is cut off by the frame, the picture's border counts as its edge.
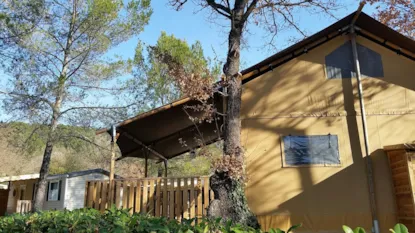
(339, 63)
(311, 150)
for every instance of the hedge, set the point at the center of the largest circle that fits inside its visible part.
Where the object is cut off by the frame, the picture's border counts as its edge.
(112, 220)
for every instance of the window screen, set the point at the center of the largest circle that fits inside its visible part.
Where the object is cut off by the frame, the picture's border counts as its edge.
(307, 150)
(339, 63)
(53, 192)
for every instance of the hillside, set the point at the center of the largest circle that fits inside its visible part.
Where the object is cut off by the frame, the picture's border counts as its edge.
(21, 151)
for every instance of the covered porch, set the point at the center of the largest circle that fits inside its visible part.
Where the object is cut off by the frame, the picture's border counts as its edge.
(17, 193)
(164, 133)
(156, 137)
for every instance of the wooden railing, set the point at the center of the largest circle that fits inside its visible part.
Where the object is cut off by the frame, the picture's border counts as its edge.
(23, 206)
(174, 198)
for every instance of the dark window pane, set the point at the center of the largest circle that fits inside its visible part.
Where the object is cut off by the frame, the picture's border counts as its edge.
(317, 149)
(339, 63)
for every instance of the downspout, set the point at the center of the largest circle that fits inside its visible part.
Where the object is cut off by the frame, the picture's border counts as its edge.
(368, 159)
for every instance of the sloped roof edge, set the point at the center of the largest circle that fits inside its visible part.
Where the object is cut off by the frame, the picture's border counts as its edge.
(51, 177)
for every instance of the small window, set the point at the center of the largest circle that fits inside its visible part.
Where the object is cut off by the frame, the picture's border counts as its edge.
(339, 63)
(54, 191)
(311, 150)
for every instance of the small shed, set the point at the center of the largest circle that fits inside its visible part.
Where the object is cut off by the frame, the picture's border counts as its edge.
(402, 164)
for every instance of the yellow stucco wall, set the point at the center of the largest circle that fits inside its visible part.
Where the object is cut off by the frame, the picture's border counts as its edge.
(297, 98)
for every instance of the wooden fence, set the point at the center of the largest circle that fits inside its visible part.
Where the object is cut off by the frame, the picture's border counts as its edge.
(23, 206)
(174, 198)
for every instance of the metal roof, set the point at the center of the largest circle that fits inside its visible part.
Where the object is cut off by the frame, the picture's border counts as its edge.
(57, 176)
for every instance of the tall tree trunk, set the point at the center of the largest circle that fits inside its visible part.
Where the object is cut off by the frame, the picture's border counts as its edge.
(42, 184)
(42, 187)
(230, 201)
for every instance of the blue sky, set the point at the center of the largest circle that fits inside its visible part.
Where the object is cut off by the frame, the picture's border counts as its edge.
(193, 24)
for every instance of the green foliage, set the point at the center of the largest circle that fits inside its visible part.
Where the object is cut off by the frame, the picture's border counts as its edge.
(198, 164)
(61, 65)
(154, 75)
(31, 138)
(398, 228)
(288, 231)
(112, 220)
(347, 229)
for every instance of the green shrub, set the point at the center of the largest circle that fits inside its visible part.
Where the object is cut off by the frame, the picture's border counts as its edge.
(113, 220)
(398, 228)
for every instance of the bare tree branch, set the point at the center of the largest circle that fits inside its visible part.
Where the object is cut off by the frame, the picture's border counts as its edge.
(33, 97)
(221, 9)
(96, 107)
(249, 10)
(178, 4)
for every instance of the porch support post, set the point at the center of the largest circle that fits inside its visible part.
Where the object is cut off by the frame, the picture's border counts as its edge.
(165, 167)
(146, 166)
(112, 166)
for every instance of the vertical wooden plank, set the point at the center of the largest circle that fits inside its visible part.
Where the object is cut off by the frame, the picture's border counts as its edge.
(138, 196)
(158, 196)
(151, 198)
(178, 200)
(199, 199)
(165, 197)
(145, 196)
(94, 193)
(97, 195)
(185, 199)
(86, 194)
(125, 194)
(104, 196)
(118, 194)
(90, 194)
(192, 198)
(206, 200)
(131, 197)
(171, 198)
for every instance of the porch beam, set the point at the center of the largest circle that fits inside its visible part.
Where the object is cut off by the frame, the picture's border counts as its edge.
(128, 154)
(132, 138)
